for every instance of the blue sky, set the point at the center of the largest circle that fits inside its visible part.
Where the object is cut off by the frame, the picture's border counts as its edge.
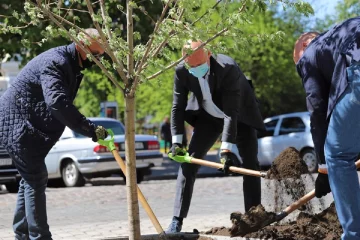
(323, 7)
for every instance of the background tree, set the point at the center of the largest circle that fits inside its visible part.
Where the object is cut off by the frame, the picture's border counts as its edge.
(131, 62)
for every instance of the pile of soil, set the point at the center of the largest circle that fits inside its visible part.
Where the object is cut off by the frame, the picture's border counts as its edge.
(324, 225)
(287, 165)
(286, 170)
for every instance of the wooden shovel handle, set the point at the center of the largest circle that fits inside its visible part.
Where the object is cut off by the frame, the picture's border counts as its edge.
(307, 197)
(232, 169)
(142, 199)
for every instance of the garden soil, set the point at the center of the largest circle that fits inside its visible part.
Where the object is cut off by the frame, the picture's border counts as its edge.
(286, 171)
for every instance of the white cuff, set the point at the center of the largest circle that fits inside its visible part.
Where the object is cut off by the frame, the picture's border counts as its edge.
(322, 166)
(232, 148)
(177, 138)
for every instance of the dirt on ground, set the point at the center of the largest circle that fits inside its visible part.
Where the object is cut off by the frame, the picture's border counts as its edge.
(285, 173)
(324, 225)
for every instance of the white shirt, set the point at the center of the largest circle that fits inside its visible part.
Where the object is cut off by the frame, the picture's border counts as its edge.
(210, 107)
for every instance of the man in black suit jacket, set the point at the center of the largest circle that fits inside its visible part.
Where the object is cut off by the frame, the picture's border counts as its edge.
(221, 102)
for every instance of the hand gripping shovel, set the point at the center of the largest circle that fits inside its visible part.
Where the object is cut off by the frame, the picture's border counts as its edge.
(111, 146)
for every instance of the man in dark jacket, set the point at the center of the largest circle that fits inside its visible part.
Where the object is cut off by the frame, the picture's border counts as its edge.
(221, 102)
(329, 65)
(33, 114)
(165, 131)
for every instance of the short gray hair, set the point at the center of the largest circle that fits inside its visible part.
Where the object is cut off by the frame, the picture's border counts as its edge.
(91, 34)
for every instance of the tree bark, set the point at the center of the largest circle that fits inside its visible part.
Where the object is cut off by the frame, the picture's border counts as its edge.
(131, 184)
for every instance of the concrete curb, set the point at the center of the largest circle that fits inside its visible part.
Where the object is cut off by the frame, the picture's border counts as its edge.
(183, 236)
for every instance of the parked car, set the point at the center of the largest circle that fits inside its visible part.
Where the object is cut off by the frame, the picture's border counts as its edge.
(75, 157)
(287, 130)
(9, 175)
(283, 131)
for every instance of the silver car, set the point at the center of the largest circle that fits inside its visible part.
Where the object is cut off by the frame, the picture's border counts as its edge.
(283, 131)
(287, 130)
(75, 158)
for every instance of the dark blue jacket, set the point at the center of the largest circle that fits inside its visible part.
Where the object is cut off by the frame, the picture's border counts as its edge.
(39, 103)
(323, 71)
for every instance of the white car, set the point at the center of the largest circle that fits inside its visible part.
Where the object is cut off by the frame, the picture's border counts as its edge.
(283, 131)
(75, 157)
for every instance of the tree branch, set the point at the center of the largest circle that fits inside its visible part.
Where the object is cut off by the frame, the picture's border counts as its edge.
(72, 9)
(171, 34)
(162, 44)
(103, 14)
(147, 14)
(52, 18)
(151, 40)
(130, 42)
(120, 66)
(207, 11)
(186, 55)
(203, 44)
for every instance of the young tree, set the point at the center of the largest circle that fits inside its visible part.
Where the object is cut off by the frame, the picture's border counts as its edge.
(131, 62)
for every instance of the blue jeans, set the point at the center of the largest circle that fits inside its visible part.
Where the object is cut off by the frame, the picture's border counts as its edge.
(30, 219)
(342, 147)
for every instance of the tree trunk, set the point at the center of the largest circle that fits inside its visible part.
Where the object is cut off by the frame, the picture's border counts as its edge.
(131, 185)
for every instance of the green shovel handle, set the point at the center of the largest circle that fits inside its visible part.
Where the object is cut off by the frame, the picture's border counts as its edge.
(110, 142)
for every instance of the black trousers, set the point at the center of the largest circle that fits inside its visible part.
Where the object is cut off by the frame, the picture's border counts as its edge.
(207, 129)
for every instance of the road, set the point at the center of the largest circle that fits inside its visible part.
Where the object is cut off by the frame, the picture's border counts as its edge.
(99, 210)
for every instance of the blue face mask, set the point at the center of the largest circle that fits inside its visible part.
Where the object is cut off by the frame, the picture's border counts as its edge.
(199, 71)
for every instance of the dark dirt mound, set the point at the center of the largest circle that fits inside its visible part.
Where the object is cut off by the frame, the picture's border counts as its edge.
(251, 221)
(287, 165)
(324, 225)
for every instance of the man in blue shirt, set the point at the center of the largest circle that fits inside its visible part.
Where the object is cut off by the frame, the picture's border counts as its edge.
(329, 65)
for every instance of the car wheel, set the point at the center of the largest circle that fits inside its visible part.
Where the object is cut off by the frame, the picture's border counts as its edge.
(309, 157)
(71, 175)
(12, 187)
(139, 176)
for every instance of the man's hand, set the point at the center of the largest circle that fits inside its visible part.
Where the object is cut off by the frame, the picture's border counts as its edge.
(322, 186)
(177, 149)
(228, 159)
(100, 133)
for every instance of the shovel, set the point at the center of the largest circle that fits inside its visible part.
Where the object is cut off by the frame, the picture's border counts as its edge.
(186, 158)
(296, 205)
(111, 146)
(278, 216)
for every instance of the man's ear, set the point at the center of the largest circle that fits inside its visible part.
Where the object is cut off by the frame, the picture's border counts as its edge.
(304, 44)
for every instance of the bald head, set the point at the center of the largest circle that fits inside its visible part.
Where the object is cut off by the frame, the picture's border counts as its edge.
(301, 44)
(198, 57)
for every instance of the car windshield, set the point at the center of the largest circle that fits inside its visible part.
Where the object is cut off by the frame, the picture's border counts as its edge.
(116, 127)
